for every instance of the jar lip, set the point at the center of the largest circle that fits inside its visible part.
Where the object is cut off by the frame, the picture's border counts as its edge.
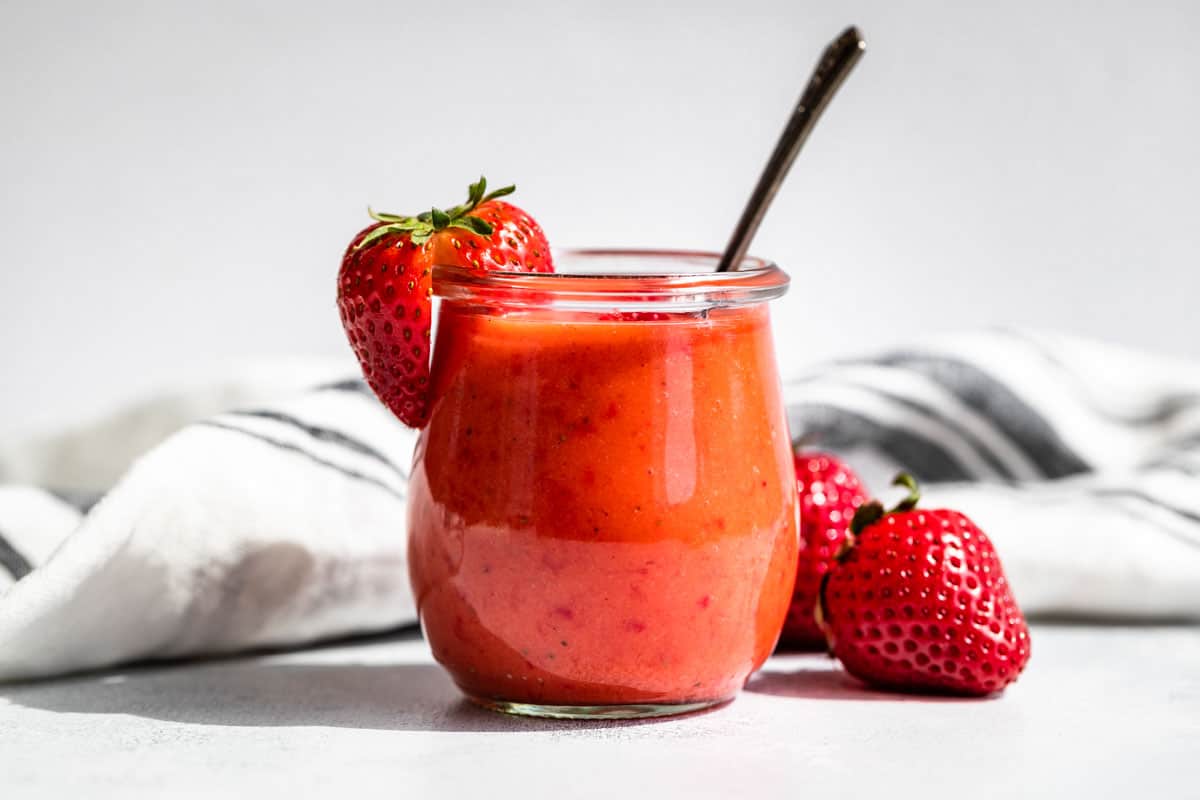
(671, 280)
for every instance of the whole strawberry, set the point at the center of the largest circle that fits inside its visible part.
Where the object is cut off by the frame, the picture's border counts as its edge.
(918, 601)
(829, 493)
(385, 285)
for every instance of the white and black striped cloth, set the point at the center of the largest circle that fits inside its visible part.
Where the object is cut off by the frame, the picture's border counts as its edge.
(179, 527)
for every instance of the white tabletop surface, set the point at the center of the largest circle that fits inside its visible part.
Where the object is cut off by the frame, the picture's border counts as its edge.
(1101, 712)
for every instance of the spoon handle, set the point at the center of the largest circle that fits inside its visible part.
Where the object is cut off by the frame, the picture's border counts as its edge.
(836, 62)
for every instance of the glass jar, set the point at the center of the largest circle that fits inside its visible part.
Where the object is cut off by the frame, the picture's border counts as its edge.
(602, 512)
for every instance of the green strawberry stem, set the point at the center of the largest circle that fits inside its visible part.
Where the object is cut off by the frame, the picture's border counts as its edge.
(424, 225)
(914, 492)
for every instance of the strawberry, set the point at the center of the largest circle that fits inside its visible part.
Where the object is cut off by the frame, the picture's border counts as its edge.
(918, 601)
(829, 493)
(385, 285)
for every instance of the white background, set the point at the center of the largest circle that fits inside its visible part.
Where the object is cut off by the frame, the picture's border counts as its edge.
(179, 179)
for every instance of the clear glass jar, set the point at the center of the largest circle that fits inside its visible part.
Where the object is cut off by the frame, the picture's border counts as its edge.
(602, 512)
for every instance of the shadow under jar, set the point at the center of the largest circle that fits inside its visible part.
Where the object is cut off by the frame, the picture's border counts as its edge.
(602, 512)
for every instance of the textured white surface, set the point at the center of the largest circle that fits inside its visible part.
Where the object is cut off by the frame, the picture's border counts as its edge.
(1101, 712)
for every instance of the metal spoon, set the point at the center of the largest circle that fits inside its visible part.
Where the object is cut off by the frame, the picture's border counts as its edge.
(836, 62)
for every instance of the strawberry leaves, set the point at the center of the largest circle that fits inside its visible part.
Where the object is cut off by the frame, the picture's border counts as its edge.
(870, 513)
(421, 227)
(473, 224)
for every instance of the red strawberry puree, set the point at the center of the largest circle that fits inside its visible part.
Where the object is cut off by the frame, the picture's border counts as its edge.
(602, 507)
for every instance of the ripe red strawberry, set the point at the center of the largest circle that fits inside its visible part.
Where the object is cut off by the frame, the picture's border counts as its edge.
(385, 285)
(918, 601)
(829, 494)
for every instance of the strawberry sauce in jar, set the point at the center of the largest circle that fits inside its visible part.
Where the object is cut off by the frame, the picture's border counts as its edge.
(602, 513)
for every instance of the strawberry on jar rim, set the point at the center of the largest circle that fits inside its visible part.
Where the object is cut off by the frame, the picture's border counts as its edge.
(918, 601)
(385, 284)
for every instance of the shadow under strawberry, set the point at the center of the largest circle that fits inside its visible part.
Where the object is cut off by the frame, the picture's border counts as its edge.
(823, 683)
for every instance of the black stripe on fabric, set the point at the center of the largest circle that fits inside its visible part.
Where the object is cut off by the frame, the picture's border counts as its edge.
(929, 412)
(1118, 493)
(328, 435)
(1165, 410)
(1188, 442)
(1185, 462)
(838, 428)
(1188, 468)
(291, 448)
(1177, 535)
(11, 559)
(80, 501)
(357, 385)
(982, 392)
(1134, 494)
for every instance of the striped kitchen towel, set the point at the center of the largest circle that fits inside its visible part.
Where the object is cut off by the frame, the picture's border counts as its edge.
(270, 513)
(268, 510)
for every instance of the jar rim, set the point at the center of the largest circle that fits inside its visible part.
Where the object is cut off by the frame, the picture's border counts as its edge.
(646, 279)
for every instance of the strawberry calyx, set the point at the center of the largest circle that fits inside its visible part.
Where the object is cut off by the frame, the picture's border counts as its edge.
(424, 225)
(870, 513)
